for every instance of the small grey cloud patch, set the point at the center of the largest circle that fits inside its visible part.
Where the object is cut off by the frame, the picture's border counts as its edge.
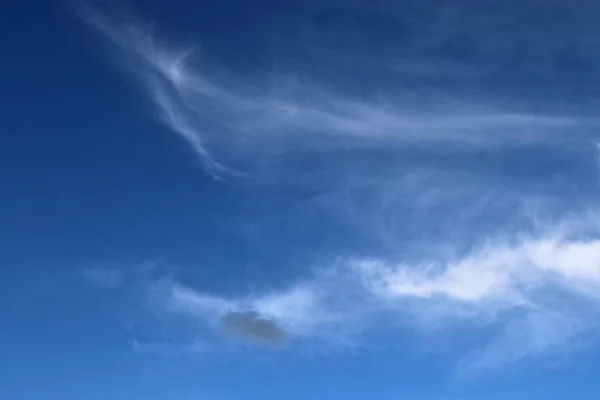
(253, 326)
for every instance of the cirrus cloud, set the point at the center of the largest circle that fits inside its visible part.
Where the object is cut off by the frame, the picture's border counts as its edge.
(404, 171)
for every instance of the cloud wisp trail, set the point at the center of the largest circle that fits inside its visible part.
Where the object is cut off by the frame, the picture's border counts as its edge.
(464, 168)
(238, 131)
(540, 295)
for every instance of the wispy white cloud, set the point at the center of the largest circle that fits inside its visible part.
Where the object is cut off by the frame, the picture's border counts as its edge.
(521, 283)
(523, 298)
(226, 123)
(496, 272)
(297, 312)
(533, 290)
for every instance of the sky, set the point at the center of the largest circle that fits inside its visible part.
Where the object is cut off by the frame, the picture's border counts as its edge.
(217, 200)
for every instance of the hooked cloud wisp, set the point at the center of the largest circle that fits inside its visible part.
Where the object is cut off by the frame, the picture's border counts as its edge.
(226, 122)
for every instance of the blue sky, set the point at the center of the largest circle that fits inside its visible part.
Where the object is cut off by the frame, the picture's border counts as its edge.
(300, 200)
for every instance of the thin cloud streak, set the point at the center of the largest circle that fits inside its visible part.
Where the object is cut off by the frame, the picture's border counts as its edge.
(223, 123)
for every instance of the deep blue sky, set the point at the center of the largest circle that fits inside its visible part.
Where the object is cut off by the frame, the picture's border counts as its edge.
(361, 201)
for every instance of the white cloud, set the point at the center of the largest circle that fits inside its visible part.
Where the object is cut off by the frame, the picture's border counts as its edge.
(500, 272)
(185, 300)
(524, 284)
(239, 130)
(297, 311)
(533, 290)
(537, 294)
